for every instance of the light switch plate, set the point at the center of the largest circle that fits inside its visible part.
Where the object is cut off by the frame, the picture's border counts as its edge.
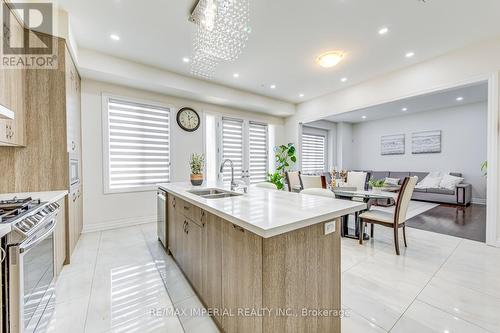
(329, 227)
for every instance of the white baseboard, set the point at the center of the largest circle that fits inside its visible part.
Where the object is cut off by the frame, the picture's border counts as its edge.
(478, 201)
(118, 223)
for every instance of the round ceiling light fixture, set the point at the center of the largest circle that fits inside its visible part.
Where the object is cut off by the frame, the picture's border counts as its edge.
(330, 59)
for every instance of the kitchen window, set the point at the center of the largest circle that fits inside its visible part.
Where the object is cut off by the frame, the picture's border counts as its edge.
(313, 152)
(246, 143)
(136, 145)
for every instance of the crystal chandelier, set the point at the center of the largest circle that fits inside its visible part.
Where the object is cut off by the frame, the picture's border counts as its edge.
(222, 30)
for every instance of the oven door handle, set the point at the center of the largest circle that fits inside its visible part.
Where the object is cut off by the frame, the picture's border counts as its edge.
(35, 240)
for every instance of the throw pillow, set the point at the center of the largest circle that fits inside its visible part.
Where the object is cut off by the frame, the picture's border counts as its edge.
(391, 181)
(450, 182)
(432, 180)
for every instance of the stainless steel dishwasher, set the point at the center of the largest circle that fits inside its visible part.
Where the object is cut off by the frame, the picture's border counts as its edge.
(161, 218)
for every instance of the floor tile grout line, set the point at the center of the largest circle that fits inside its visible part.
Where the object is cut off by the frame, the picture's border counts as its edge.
(368, 320)
(454, 315)
(92, 283)
(428, 282)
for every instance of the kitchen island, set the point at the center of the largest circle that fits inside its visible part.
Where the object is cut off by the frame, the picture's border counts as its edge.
(266, 261)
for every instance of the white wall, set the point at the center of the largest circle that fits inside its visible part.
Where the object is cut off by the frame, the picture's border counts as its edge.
(112, 210)
(463, 144)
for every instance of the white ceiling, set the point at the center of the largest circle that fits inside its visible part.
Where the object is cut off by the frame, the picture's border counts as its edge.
(439, 100)
(287, 35)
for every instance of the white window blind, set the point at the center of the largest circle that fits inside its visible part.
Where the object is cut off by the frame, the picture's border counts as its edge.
(232, 147)
(138, 145)
(258, 155)
(313, 153)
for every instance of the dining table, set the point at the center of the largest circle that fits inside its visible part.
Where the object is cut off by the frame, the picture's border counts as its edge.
(367, 197)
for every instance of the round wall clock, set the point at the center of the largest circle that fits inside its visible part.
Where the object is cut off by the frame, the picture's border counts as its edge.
(188, 119)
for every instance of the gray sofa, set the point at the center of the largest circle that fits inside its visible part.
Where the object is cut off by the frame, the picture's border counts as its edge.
(462, 195)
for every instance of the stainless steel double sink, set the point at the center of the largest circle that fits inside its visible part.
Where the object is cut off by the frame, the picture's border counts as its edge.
(214, 193)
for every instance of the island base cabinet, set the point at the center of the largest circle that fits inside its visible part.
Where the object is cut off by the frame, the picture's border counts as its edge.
(238, 274)
(171, 224)
(301, 272)
(211, 281)
(191, 260)
(241, 278)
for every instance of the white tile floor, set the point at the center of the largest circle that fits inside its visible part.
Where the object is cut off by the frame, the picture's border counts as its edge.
(439, 284)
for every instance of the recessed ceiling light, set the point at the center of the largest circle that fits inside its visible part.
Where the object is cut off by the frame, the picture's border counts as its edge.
(363, 117)
(330, 59)
(114, 37)
(383, 31)
(459, 99)
(409, 54)
(301, 95)
(186, 60)
(344, 79)
(272, 86)
(404, 109)
(236, 75)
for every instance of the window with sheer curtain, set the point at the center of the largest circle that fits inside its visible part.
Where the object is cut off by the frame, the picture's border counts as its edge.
(136, 145)
(313, 153)
(246, 143)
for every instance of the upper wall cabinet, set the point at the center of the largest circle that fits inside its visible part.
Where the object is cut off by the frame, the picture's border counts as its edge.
(73, 105)
(12, 95)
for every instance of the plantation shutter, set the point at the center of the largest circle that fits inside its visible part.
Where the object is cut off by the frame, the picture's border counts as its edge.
(258, 155)
(138, 145)
(232, 147)
(313, 153)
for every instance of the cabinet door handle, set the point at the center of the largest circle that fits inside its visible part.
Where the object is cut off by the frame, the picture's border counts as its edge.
(238, 228)
(186, 208)
(73, 145)
(187, 227)
(173, 202)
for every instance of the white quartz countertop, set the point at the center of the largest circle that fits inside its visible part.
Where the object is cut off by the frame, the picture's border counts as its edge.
(50, 196)
(267, 212)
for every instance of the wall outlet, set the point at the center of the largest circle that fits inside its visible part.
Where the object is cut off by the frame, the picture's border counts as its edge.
(329, 227)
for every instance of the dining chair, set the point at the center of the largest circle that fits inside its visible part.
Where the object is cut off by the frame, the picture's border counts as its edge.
(322, 192)
(357, 179)
(313, 181)
(266, 185)
(394, 220)
(293, 180)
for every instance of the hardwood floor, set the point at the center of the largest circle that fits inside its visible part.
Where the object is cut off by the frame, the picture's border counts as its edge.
(464, 222)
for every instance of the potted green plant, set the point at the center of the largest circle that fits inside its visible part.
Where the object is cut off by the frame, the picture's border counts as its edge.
(197, 162)
(285, 158)
(377, 184)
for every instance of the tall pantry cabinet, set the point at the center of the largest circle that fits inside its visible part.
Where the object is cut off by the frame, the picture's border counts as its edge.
(50, 158)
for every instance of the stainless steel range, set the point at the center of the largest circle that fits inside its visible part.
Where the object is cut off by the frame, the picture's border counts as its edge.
(29, 269)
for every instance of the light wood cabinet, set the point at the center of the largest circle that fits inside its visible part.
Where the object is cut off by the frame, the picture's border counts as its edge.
(232, 269)
(72, 80)
(241, 277)
(211, 261)
(193, 253)
(13, 94)
(60, 236)
(75, 219)
(171, 227)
